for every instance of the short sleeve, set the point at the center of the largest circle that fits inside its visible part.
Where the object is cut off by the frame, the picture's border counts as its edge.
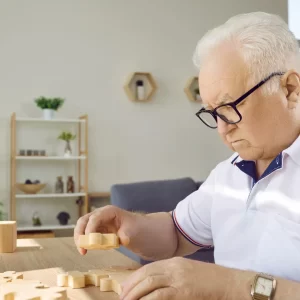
(192, 216)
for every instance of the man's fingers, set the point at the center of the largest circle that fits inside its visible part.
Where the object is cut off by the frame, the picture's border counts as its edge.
(140, 275)
(79, 230)
(104, 220)
(147, 286)
(101, 218)
(167, 293)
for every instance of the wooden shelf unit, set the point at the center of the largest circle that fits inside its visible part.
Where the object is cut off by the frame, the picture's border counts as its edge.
(150, 86)
(189, 89)
(82, 171)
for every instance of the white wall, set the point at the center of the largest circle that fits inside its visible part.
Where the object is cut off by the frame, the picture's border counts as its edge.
(84, 50)
(293, 17)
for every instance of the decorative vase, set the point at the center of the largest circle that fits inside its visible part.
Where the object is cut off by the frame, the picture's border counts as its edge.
(68, 150)
(140, 90)
(70, 185)
(59, 185)
(48, 114)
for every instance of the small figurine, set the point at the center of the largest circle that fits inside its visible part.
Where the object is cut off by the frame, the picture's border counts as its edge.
(59, 185)
(63, 218)
(140, 90)
(70, 185)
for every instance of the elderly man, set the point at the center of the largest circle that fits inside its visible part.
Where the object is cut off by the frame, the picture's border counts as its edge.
(249, 207)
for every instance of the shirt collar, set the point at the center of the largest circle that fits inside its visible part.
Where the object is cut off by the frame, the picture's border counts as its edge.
(293, 151)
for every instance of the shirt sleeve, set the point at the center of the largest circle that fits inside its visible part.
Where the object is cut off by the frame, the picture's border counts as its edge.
(192, 216)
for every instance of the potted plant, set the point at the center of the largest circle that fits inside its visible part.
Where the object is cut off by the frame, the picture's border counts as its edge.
(49, 106)
(3, 215)
(67, 137)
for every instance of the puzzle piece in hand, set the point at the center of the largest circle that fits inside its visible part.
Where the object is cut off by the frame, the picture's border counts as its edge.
(95, 240)
(30, 290)
(9, 276)
(108, 280)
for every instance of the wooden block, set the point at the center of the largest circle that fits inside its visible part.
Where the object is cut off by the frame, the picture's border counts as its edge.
(108, 280)
(114, 281)
(30, 290)
(94, 277)
(99, 241)
(9, 276)
(8, 236)
(76, 280)
(62, 279)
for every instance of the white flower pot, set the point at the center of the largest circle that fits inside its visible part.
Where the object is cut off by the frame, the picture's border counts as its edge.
(48, 114)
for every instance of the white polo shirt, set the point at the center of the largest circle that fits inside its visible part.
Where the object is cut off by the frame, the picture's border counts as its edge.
(253, 225)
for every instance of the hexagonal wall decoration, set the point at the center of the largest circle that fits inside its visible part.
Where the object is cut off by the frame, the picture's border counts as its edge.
(140, 86)
(192, 89)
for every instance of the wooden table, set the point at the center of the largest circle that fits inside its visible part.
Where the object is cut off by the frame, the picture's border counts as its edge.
(41, 259)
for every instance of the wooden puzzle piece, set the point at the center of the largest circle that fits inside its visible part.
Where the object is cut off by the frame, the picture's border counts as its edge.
(95, 240)
(113, 282)
(9, 276)
(108, 279)
(30, 290)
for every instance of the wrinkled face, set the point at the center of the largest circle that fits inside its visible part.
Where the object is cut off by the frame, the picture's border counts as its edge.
(266, 120)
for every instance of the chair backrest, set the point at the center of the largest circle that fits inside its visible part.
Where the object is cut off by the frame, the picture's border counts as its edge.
(152, 196)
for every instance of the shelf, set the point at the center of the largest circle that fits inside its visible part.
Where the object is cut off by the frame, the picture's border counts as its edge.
(190, 89)
(24, 227)
(149, 86)
(50, 157)
(50, 121)
(65, 195)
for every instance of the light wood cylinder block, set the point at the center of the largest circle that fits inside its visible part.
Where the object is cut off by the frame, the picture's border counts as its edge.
(8, 236)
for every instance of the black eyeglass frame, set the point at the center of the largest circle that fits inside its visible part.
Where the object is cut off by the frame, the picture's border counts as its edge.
(233, 104)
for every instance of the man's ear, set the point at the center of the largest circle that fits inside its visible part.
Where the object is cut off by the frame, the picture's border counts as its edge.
(291, 86)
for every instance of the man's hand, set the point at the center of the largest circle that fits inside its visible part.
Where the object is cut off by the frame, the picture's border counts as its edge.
(177, 278)
(108, 219)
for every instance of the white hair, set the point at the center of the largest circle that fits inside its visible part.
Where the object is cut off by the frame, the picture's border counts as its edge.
(267, 45)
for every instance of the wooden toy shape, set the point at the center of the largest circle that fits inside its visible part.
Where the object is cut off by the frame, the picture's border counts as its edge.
(9, 276)
(99, 241)
(73, 279)
(113, 282)
(8, 236)
(108, 280)
(30, 290)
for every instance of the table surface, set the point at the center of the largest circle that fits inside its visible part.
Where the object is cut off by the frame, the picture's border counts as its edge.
(41, 259)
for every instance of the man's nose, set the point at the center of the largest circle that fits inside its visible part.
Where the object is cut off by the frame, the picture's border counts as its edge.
(223, 127)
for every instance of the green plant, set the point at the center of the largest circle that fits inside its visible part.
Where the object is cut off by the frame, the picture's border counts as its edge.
(3, 215)
(49, 103)
(66, 136)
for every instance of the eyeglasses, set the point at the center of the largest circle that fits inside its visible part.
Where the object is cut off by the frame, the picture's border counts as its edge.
(228, 112)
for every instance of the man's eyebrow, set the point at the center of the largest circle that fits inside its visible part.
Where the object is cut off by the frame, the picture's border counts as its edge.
(224, 99)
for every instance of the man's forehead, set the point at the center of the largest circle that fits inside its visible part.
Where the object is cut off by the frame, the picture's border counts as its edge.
(218, 92)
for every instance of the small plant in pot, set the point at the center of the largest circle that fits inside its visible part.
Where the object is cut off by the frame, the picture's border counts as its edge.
(3, 215)
(49, 106)
(197, 94)
(67, 137)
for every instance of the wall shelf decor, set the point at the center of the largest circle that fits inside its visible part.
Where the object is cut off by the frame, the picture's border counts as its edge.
(192, 89)
(140, 86)
(42, 165)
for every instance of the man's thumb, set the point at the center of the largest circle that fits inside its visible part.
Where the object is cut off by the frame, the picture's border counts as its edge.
(124, 238)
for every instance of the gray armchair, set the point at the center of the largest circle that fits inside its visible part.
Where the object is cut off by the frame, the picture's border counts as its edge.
(155, 196)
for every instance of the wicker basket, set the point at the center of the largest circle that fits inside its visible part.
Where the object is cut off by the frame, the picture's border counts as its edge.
(30, 188)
